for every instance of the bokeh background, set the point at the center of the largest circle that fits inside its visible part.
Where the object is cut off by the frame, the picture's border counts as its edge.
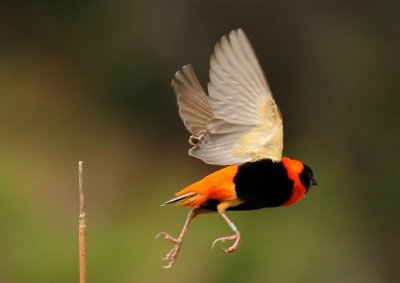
(90, 80)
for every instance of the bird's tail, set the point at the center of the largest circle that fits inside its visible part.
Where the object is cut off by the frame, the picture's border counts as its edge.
(178, 198)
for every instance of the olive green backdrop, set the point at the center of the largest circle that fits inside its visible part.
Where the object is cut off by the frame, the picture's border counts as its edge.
(90, 80)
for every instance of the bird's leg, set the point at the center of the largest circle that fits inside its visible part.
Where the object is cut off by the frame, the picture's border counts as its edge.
(173, 254)
(235, 236)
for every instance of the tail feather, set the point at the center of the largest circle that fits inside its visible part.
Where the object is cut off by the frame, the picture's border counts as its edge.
(178, 198)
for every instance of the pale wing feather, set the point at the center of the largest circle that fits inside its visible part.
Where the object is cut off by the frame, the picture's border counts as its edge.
(216, 145)
(249, 60)
(192, 100)
(246, 124)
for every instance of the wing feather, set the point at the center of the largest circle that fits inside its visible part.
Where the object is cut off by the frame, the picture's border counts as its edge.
(239, 121)
(192, 100)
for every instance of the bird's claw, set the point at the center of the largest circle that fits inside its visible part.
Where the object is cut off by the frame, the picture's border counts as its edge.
(232, 248)
(173, 254)
(167, 237)
(171, 257)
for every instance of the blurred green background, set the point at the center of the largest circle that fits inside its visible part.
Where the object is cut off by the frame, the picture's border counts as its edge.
(90, 80)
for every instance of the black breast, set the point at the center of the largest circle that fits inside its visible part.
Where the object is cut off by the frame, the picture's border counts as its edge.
(262, 184)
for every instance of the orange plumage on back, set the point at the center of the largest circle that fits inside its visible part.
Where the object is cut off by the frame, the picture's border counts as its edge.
(216, 186)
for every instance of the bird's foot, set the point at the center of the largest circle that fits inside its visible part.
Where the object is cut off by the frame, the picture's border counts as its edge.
(232, 248)
(173, 254)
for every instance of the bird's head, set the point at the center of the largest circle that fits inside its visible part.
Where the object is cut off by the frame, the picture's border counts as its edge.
(307, 177)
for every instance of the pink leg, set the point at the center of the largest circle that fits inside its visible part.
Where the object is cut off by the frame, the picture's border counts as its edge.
(173, 254)
(235, 237)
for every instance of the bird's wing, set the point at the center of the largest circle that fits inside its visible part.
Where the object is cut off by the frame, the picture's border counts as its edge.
(192, 102)
(246, 123)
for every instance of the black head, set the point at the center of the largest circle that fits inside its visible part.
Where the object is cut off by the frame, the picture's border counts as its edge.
(307, 177)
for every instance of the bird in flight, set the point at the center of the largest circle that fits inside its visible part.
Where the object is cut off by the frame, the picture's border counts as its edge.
(237, 125)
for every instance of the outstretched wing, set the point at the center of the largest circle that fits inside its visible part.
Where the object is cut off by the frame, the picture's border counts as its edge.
(192, 102)
(246, 124)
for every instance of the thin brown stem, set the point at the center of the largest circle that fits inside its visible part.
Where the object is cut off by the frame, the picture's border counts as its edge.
(82, 219)
(82, 229)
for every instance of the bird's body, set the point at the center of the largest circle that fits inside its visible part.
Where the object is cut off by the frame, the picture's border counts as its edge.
(249, 186)
(237, 125)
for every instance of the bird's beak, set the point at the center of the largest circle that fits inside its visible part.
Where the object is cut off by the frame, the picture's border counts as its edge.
(314, 182)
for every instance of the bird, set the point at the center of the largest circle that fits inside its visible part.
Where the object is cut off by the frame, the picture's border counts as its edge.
(239, 126)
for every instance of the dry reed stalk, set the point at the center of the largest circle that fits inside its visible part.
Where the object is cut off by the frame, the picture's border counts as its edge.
(82, 229)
